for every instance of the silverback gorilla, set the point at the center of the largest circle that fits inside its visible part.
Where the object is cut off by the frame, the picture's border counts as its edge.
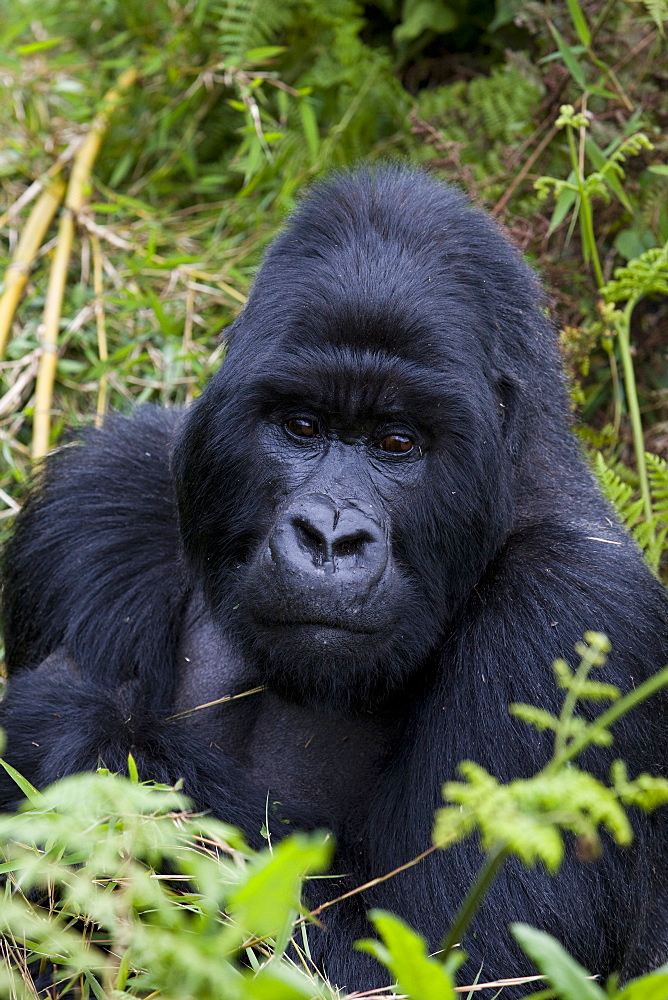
(376, 509)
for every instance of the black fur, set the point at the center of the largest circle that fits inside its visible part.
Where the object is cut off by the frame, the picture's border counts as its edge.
(394, 603)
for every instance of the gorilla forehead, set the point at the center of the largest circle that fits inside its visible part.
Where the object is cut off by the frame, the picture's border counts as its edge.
(433, 283)
(385, 300)
(355, 384)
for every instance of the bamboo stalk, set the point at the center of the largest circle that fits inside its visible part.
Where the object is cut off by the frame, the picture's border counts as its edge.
(187, 343)
(46, 373)
(101, 329)
(77, 190)
(30, 241)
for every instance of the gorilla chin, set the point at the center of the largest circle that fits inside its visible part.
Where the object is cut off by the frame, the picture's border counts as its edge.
(348, 670)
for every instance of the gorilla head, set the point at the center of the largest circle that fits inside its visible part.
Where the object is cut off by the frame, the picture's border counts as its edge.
(351, 470)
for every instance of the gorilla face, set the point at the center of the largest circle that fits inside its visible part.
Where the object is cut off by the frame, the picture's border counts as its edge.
(344, 479)
(330, 607)
(347, 502)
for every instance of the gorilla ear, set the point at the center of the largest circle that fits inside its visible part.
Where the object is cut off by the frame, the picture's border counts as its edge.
(509, 393)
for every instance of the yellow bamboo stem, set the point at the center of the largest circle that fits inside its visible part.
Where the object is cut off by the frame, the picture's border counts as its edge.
(101, 329)
(77, 190)
(46, 373)
(187, 344)
(29, 243)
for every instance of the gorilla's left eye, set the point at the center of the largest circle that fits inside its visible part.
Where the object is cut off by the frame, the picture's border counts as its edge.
(397, 444)
(303, 427)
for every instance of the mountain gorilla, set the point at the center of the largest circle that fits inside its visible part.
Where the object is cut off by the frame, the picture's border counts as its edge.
(376, 509)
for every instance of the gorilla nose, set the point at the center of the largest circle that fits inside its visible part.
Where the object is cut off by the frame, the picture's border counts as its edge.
(329, 545)
(317, 534)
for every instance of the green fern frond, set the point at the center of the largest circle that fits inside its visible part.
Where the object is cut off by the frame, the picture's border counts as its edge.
(657, 471)
(601, 182)
(644, 275)
(631, 146)
(246, 25)
(658, 11)
(651, 535)
(617, 492)
(594, 184)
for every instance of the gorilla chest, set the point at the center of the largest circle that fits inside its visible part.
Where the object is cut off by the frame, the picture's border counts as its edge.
(294, 753)
(304, 755)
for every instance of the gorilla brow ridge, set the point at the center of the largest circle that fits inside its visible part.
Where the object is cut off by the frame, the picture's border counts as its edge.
(356, 383)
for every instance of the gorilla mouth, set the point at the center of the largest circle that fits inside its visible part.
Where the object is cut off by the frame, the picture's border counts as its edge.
(317, 623)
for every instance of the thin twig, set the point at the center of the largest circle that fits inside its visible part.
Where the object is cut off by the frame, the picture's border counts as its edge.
(38, 185)
(17, 273)
(375, 881)
(519, 177)
(101, 329)
(187, 343)
(218, 701)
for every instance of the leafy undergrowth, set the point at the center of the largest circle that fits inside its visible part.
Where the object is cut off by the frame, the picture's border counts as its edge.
(117, 889)
(89, 911)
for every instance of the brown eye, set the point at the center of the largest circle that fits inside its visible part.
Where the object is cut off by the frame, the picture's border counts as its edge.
(302, 427)
(399, 444)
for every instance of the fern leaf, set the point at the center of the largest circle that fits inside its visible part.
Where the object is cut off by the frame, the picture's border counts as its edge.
(644, 275)
(657, 473)
(658, 11)
(614, 489)
(247, 24)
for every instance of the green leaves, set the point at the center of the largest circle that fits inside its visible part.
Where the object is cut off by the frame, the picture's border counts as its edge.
(271, 892)
(96, 848)
(645, 275)
(530, 816)
(424, 15)
(571, 982)
(651, 535)
(404, 953)
(568, 978)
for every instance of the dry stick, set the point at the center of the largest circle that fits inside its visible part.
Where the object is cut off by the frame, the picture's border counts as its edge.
(187, 345)
(74, 200)
(375, 881)
(46, 372)
(519, 177)
(30, 241)
(101, 329)
(313, 914)
(34, 189)
(218, 701)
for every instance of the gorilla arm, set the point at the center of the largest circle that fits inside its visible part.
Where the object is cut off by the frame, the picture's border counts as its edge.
(58, 722)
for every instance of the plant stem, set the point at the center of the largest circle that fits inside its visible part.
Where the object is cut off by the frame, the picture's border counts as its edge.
(474, 897)
(624, 338)
(102, 350)
(568, 707)
(609, 717)
(586, 218)
(77, 191)
(29, 243)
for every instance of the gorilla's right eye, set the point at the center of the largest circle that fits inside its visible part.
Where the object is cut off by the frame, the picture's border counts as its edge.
(302, 427)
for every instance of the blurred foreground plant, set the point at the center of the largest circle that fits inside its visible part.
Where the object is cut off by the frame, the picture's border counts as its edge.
(139, 896)
(529, 818)
(94, 850)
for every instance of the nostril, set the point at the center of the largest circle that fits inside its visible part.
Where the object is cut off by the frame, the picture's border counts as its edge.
(326, 543)
(311, 539)
(352, 544)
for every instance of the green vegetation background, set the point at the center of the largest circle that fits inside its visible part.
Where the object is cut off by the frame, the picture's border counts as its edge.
(236, 105)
